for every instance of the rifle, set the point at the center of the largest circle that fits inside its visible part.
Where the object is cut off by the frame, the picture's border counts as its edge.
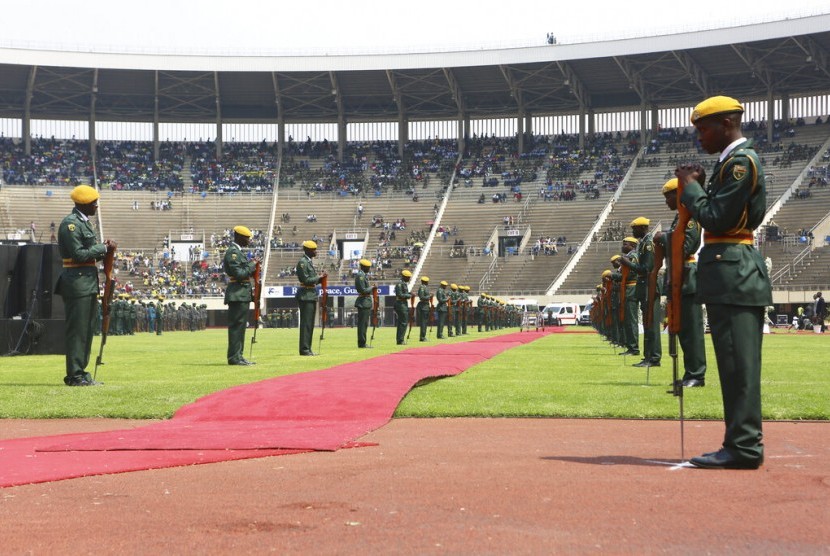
(431, 315)
(257, 276)
(449, 311)
(411, 315)
(109, 287)
(624, 272)
(375, 306)
(324, 310)
(605, 296)
(677, 261)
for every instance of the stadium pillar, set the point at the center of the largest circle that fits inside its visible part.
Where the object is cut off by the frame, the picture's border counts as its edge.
(655, 121)
(403, 134)
(520, 131)
(342, 138)
(785, 108)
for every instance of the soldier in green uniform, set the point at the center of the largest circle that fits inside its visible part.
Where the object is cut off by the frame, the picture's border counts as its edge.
(364, 301)
(691, 312)
(652, 345)
(238, 294)
(464, 299)
(161, 308)
(78, 283)
(307, 295)
(401, 310)
(132, 317)
(422, 309)
(97, 316)
(455, 308)
(629, 301)
(733, 279)
(605, 307)
(442, 296)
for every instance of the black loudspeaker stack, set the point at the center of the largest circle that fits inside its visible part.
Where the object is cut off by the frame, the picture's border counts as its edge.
(31, 314)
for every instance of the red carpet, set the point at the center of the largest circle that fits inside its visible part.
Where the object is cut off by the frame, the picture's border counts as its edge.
(320, 410)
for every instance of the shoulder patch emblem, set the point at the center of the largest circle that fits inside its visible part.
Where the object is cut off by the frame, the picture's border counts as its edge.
(649, 247)
(690, 225)
(234, 256)
(738, 171)
(71, 227)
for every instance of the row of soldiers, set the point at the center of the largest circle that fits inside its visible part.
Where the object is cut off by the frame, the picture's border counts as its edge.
(624, 295)
(128, 316)
(450, 307)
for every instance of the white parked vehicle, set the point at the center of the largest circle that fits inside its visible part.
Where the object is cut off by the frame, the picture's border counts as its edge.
(561, 314)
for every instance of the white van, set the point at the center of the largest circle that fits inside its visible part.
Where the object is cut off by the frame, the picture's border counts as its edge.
(561, 314)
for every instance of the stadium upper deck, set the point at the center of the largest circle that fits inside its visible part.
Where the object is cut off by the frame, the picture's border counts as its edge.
(770, 61)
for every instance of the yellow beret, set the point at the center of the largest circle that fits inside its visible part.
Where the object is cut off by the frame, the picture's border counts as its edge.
(424, 278)
(606, 273)
(716, 105)
(406, 273)
(454, 286)
(243, 231)
(308, 244)
(444, 283)
(615, 257)
(671, 185)
(641, 221)
(365, 262)
(630, 239)
(84, 195)
(599, 287)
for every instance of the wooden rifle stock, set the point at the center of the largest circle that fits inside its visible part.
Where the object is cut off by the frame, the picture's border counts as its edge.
(653, 296)
(411, 315)
(109, 288)
(624, 272)
(431, 315)
(257, 276)
(324, 310)
(606, 301)
(375, 307)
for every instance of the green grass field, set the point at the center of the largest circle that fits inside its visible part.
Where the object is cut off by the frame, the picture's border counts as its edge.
(561, 375)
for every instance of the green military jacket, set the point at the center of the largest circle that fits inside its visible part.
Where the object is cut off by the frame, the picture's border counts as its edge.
(691, 243)
(441, 297)
(730, 209)
(643, 265)
(423, 296)
(239, 269)
(364, 291)
(402, 292)
(79, 249)
(308, 277)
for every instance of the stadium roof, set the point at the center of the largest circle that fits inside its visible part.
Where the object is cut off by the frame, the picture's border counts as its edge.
(749, 62)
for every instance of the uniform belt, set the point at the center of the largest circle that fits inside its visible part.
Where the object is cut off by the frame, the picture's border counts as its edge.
(743, 237)
(67, 263)
(631, 283)
(238, 281)
(403, 298)
(308, 287)
(364, 295)
(691, 259)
